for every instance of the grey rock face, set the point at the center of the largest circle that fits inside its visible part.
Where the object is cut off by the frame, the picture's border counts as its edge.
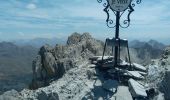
(54, 62)
(49, 63)
(165, 61)
(73, 39)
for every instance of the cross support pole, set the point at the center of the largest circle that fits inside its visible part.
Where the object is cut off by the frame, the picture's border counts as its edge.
(117, 38)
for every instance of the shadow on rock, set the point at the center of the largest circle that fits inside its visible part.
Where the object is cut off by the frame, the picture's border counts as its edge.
(103, 88)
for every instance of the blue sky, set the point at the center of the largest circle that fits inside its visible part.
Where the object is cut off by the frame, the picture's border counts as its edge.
(27, 19)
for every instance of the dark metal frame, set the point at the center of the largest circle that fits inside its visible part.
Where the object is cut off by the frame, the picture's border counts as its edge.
(126, 24)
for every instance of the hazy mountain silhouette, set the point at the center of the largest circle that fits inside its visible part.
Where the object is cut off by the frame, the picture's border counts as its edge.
(145, 51)
(38, 42)
(153, 43)
(15, 65)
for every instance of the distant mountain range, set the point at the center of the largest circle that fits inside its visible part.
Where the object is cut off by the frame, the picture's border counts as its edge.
(153, 43)
(16, 61)
(143, 52)
(15, 65)
(38, 42)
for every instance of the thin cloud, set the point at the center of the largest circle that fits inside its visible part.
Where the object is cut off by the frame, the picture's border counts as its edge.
(31, 6)
(66, 16)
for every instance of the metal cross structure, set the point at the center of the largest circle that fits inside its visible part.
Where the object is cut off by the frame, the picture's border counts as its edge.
(118, 7)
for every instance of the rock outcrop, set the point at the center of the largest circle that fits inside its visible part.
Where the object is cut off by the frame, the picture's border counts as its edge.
(52, 63)
(165, 61)
(69, 75)
(159, 74)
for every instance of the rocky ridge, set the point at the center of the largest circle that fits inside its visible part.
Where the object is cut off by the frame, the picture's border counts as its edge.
(54, 62)
(164, 84)
(80, 79)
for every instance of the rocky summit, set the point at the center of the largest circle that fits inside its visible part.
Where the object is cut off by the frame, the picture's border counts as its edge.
(52, 63)
(71, 72)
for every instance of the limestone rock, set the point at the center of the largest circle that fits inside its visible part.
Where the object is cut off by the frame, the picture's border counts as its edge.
(73, 39)
(139, 67)
(45, 48)
(86, 36)
(136, 89)
(49, 64)
(52, 63)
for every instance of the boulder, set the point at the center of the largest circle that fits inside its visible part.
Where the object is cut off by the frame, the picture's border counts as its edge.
(137, 90)
(74, 39)
(134, 75)
(139, 67)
